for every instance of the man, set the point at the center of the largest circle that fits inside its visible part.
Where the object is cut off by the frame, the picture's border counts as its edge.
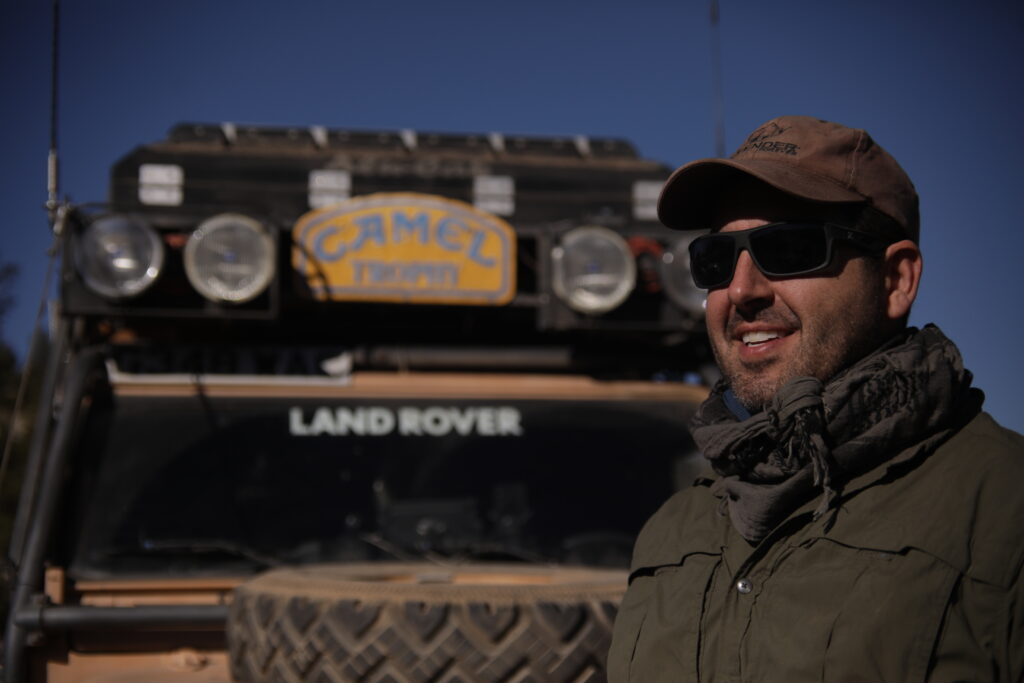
(864, 520)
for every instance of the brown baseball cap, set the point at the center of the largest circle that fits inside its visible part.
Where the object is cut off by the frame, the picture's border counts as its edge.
(805, 157)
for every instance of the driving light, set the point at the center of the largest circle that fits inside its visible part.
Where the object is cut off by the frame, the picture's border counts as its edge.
(593, 269)
(230, 257)
(675, 276)
(119, 256)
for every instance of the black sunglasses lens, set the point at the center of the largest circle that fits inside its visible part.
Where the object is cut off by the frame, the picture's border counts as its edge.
(790, 248)
(711, 260)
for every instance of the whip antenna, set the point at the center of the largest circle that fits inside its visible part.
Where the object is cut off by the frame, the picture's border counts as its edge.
(716, 82)
(58, 216)
(51, 161)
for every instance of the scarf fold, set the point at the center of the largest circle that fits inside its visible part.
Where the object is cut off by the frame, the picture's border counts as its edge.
(812, 438)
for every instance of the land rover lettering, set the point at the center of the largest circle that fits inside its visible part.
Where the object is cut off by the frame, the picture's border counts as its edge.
(437, 421)
(408, 420)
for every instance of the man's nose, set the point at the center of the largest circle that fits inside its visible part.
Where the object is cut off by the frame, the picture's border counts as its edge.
(749, 285)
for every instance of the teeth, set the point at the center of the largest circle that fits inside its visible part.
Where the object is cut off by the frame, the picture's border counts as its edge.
(758, 337)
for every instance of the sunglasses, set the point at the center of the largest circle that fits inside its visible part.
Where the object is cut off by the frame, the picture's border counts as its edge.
(777, 249)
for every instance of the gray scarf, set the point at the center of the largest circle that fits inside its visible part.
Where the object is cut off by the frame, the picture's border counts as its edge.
(814, 437)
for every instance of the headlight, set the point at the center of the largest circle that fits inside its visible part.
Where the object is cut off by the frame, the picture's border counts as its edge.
(593, 269)
(675, 275)
(119, 256)
(230, 258)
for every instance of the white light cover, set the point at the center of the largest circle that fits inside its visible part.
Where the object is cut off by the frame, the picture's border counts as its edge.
(495, 194)
(230, 258)
(645, 199)
(593, 269)
(161, 184)
(328, 186)
(119, 256)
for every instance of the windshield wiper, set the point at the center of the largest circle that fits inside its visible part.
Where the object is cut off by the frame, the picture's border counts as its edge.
(206, 546)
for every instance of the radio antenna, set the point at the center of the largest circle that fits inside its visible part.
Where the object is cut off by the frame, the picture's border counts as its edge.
(58, 216)
(52, 178)
(716, 81)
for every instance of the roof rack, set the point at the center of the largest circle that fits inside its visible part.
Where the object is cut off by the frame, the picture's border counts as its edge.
(320, 137)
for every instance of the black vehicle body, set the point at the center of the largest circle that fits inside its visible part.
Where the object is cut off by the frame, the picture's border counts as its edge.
(187, 444)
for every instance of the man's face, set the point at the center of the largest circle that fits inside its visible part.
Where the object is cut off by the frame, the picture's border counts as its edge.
(766, 331)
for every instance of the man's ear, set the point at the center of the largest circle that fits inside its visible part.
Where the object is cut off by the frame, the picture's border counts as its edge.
(903, 266)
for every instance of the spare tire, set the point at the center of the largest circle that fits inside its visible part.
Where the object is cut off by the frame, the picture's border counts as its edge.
(407, 623)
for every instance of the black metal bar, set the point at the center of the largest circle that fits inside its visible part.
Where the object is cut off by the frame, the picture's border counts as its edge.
(163, 617)
(37, 446)
(414, 357)
(29, 578)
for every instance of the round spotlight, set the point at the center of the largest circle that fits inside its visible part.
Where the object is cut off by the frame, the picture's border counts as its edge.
(675, 275)
(230, 258)
(593, 269)
(119, 257)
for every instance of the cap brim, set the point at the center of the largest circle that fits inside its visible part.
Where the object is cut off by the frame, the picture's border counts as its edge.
(692, 195)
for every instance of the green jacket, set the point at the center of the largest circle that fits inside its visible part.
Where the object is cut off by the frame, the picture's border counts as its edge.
(918, 579)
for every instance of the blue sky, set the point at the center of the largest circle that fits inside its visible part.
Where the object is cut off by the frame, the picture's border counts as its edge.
(939, 84)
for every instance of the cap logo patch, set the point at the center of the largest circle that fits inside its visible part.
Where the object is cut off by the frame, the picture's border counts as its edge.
(761, 141)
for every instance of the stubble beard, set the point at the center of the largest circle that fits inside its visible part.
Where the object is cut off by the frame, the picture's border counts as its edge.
(821, 353)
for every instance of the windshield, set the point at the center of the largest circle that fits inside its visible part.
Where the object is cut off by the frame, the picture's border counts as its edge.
(228, 484)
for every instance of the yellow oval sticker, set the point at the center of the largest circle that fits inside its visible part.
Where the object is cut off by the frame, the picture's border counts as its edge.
(406, 247)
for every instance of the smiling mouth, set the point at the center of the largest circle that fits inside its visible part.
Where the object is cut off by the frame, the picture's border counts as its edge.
(758, 338)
